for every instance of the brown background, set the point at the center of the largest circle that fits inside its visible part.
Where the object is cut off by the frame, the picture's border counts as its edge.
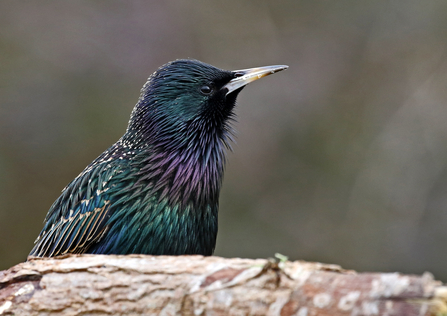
(340, 159)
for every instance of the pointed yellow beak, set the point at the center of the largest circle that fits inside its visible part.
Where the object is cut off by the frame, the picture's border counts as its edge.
(245, 76)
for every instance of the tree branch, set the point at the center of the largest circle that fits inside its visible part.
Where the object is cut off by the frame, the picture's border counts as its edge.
(196, 285)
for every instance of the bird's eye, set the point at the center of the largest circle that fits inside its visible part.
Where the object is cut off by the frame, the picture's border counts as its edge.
(206, 89)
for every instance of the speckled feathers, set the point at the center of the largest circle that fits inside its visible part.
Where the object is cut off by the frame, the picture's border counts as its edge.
(156, 190)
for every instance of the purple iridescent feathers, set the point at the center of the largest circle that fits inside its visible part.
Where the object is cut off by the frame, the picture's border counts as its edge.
(160, 194)
(156, 190)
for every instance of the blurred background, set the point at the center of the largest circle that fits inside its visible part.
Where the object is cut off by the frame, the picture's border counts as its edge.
(340, 159)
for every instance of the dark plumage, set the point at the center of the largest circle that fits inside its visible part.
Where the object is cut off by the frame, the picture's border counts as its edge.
(156, 190)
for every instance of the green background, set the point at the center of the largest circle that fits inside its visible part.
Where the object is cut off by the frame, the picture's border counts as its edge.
(340, 159)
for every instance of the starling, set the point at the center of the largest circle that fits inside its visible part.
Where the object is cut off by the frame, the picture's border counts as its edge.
(156, 190)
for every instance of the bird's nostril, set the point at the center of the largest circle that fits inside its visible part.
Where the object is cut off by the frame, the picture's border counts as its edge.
(238, 74)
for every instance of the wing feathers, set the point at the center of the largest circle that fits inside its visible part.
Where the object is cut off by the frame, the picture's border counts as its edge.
(72, 234)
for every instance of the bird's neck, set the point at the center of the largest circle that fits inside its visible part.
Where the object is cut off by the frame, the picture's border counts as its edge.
(191, 174)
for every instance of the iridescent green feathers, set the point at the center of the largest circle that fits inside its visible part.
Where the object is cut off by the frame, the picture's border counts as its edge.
(156, 190)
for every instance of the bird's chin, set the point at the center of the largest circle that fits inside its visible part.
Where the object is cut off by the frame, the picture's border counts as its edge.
(233, 94)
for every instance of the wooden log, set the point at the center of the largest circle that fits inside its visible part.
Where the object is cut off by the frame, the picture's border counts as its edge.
(196, 285)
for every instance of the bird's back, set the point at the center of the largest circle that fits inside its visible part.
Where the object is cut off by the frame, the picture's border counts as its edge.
(116, 207)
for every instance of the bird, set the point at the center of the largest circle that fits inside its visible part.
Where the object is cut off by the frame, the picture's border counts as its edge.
(156, 190)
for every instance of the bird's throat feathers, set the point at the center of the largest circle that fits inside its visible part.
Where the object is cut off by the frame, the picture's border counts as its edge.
(185, 176)
(181, 128)
(181, 160)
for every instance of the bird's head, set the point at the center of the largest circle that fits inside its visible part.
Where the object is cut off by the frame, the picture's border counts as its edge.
(187, 100)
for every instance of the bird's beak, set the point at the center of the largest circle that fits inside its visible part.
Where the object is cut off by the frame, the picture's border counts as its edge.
(245, 76)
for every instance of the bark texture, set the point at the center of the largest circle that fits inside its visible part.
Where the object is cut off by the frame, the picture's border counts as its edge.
(196, 285)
